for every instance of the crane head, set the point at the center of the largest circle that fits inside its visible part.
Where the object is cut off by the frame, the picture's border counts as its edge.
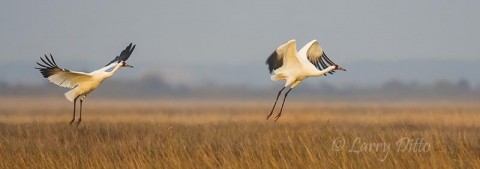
(124, 64)
(339, 68)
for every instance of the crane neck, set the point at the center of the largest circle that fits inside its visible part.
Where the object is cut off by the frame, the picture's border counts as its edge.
(115, 69)
(320, 73)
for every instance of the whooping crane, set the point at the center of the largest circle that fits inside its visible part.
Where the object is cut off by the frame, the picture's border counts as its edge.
(294, 67)
(81, 83)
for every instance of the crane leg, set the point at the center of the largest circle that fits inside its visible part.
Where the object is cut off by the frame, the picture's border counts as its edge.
(273, 108)
(74, 105)
(284, 98)
(80, 118)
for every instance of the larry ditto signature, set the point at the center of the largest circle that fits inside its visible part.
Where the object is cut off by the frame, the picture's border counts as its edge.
(413, 145)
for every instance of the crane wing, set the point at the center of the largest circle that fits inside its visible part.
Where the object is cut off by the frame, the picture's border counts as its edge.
(317, 57)
(60, 76)
(284, 56)
(124, 55)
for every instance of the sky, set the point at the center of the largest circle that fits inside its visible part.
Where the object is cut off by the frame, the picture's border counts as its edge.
(227, 42)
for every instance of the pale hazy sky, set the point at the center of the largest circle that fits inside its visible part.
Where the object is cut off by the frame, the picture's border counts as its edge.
(175, 36)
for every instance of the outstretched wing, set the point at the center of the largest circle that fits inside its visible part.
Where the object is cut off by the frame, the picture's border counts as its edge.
(124, 55)
(317, 57)
(60, 76)
(283, 56)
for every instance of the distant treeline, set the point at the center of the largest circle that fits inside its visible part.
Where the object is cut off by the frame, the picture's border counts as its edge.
(154, 87)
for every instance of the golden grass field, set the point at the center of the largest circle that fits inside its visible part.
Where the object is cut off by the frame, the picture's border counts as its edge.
(34, 133)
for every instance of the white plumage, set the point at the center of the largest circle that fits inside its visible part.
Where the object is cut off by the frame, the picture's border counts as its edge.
(293, 67)
(81, 83)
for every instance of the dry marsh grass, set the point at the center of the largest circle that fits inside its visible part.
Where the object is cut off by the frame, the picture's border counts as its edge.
(233, 134)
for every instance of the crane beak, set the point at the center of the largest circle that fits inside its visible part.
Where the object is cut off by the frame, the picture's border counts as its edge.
(127, 65)
(340, 68)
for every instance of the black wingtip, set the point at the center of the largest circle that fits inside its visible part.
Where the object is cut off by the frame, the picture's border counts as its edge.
(274, 62)
(125, 54)
(48, 67)
(131, 50)
(44, 62)
(49, 61)
(41, 65)
(129, 47)
(53, 60)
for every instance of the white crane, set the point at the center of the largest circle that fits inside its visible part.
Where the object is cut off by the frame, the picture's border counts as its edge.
(293, 67)
(81, 83)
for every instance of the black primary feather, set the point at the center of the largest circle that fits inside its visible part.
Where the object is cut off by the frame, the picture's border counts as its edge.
(322, 62)
(48, 67)
(124, 55)
(53, 60)
(274, 61)
(327, 59)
